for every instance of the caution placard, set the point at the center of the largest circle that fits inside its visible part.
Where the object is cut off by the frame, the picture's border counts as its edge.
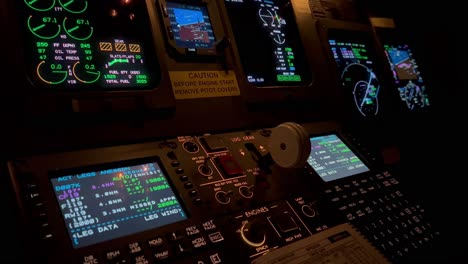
(202, 84)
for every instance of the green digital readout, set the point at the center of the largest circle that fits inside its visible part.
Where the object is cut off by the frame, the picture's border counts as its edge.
(90, 45)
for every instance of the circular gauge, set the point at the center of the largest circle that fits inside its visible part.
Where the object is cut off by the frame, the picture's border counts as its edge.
(271, 20)
(365, 87)
(45, 27)
(86, 73)
(40, 5)
(51, 73)
(74, 6)
(78, 29)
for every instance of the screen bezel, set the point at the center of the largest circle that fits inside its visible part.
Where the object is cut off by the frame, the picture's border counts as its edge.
(181, 52)
(289, 87)
(323, 27)
(353, 149)
(365, 38)
(393, 37)
(267, 96)
(111, 165)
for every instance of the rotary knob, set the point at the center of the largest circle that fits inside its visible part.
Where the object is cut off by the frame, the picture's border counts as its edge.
(253, 233)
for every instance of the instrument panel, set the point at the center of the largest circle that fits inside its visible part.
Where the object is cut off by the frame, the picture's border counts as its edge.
(101, 72)
(208, 197)
(83, 45)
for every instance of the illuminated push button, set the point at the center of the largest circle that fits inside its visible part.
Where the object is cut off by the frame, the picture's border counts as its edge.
(284, 222)
(139, 259)
(209, 225)
(183, 247)
(210, 258)
(216, 237)
(114, 256)
(156, 242)
(134, 247)
(213, 143)
(229, 166)
(90, 259)
(192, 230)
(199, 242)
(163, 254)
(176, 235)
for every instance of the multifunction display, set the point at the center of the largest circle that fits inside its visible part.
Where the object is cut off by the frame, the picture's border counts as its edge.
(190, 25)
(356, 65)
(92, 45)
(108, 203)
(190, 33)
(407, 77)
(268, 42)
(332, 159)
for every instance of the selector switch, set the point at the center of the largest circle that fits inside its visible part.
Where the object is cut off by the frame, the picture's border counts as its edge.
(253, 233)
(213, 143)
(223, 197)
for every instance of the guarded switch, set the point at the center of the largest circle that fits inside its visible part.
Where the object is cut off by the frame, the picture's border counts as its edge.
(229, 166)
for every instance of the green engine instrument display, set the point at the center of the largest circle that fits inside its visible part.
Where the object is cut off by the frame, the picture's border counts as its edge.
(89, 45)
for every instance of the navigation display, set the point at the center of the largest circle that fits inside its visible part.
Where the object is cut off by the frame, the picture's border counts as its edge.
(112, 202)
(332, 159)
(268, 42)
(89, 45)
(190, 25)
(407, 76)
(356, 66)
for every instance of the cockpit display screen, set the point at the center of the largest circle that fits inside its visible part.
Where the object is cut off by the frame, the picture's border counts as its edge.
(268, 42)
(332, 159)
(108, 202)
(88, 45)
(190, 25)
(407, 76)
(356, 65)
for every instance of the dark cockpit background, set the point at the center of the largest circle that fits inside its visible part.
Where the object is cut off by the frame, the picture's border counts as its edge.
(426, 147)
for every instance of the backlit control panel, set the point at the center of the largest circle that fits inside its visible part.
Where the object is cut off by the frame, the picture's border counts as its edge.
(209, 198)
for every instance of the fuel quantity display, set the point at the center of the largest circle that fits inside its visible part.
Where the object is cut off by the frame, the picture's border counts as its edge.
(268, 42)
(89, 45)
